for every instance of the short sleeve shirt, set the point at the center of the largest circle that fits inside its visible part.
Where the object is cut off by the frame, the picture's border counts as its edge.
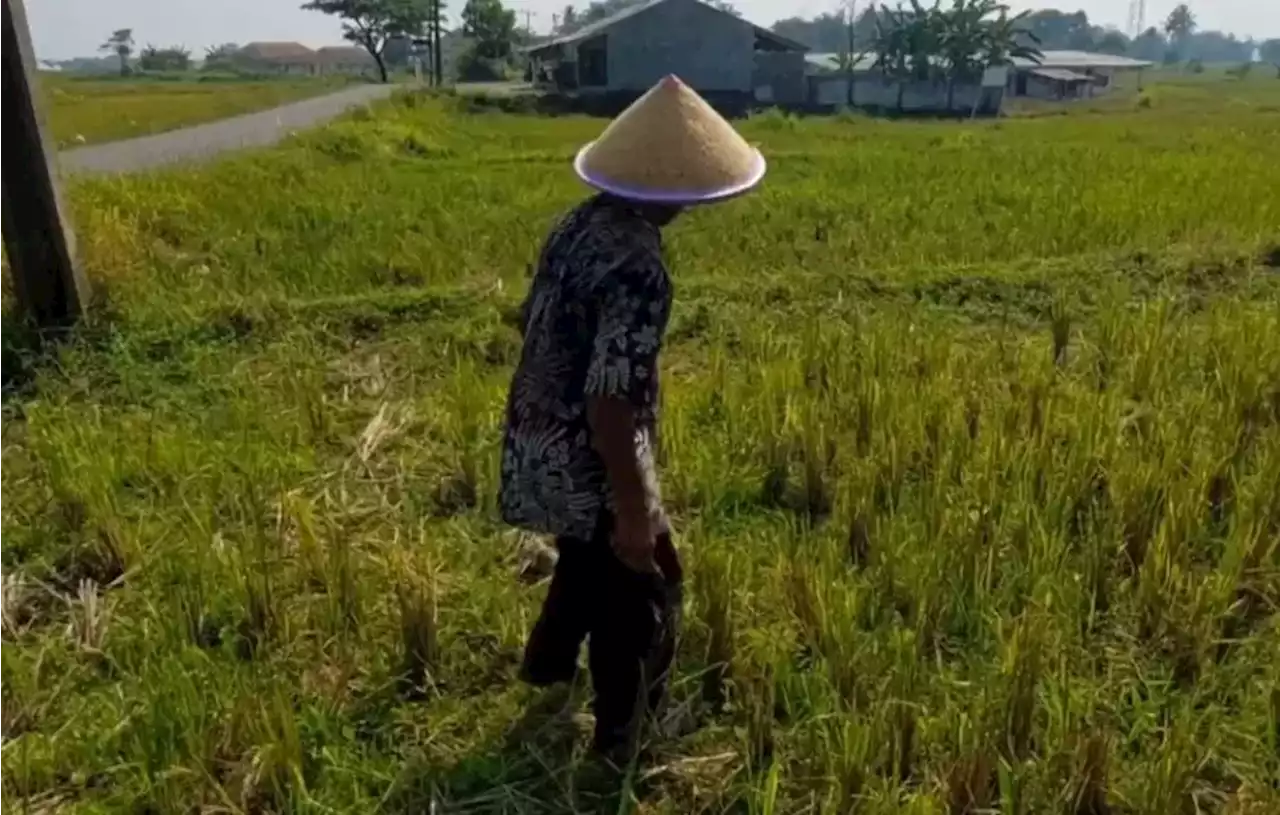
(593, 326)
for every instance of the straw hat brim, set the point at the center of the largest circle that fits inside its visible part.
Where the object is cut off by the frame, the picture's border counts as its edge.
(674, 197)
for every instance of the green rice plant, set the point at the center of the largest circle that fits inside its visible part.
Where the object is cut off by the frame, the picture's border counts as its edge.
(977, 477)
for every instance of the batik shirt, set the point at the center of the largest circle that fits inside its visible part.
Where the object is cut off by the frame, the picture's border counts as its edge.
(593, 325)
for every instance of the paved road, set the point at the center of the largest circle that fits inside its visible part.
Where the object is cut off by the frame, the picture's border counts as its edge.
(203, 142)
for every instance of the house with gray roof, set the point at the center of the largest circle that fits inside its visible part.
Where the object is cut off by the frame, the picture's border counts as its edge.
(276, 57)
(1069, 74)
(717, 53)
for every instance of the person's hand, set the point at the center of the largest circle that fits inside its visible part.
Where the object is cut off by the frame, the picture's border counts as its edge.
(633, 541)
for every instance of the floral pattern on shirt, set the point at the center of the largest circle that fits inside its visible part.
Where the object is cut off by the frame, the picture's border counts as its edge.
(593, 326)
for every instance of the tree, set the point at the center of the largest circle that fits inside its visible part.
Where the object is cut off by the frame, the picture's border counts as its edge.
(120, 43)
(174, 58)
(491, 25)
(1269, 51)
(1149, 45)
(568, 20)
(1180, 24)
(1056, 29)
(220, 57)
(1113, 42)
(905, 43)
(961, 40)
(957, 44)
(370, 23)
(605, 8)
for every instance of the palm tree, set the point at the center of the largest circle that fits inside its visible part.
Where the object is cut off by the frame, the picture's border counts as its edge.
(1180, 23)
(962, 40)
(890, 46)
(1006, 40)
(906, 43)
(121, 44)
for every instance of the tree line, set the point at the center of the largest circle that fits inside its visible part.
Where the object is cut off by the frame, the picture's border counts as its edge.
(1177, 38)
(954, 44)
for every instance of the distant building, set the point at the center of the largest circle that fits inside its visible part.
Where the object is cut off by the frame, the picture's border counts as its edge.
(1069, 74)
(345, 59)
(1058, 75)
(297, 59)
(829, 82)
(276, 57)
(717, 53)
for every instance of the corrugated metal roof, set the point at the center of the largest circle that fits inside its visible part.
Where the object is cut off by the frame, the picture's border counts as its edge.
(1060, 74)
(1080, 59)
(592, 29)
(600, 26)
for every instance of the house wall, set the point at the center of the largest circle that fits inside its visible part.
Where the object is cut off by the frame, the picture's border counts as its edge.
(1104, 81)
(782, 73)
(1039, 87)
(710, 50)
(263, 66)
(873, 90)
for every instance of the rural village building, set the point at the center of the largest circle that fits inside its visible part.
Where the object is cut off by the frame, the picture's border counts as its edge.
(1059, 75)
(297, 59)
(1069, 74)
(276, 57)
(718, 54)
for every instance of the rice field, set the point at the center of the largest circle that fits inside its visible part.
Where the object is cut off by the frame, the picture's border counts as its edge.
(971, 436)
(88, 111)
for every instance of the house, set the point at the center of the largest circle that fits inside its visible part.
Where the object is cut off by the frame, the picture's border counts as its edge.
(717, 53)
(276, 57)
(344, 59)
(1068, 74)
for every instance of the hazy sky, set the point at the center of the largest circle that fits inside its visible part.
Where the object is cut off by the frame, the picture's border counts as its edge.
(70, 28)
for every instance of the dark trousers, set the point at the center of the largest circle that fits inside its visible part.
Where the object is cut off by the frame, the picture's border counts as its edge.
(629, 620)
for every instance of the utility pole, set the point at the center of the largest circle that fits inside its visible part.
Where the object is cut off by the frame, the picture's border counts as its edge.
(47, 283)
(850, 59)
(437, 58)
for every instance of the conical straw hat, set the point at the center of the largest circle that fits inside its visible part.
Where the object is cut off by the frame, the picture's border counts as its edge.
(670, 147)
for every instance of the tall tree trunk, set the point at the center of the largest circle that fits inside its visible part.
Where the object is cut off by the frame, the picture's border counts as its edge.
(382, 66)
(951, 92)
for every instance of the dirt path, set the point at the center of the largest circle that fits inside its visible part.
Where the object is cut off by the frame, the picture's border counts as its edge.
(203, 142)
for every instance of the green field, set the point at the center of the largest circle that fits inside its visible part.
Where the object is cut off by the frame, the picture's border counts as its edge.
(971, 436)
(87, 111)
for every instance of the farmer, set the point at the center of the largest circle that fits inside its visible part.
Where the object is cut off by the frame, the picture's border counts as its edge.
(578, 453)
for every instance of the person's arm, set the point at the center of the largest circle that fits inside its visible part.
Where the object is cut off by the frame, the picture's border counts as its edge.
(632, 318)
(613, 435)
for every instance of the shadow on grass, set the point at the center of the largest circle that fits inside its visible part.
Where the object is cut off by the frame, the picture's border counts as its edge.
(540, 765)
(24, 350)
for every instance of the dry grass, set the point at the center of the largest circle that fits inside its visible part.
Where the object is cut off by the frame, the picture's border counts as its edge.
(971, 433)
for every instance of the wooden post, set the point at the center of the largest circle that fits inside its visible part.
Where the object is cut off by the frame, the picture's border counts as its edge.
(40, 248)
